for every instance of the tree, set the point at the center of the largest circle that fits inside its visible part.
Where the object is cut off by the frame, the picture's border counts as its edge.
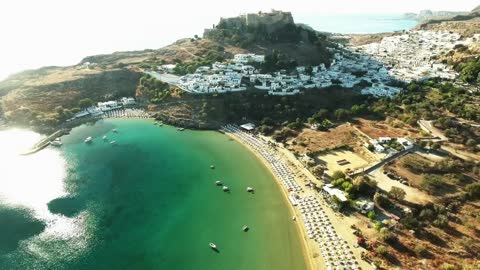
(386, 235)
(309, 70)
(397, 193)
(420, 250)
(378, 225)
(364, 185)
(471, 143)
(372, 215)
(473, 190)
(341, 113)
(85, 103)
(441, 221)
(430, 182)
(382, 250)
(337, 175)
(381, 200)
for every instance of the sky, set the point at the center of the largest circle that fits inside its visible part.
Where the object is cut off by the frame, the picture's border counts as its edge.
(37, 33)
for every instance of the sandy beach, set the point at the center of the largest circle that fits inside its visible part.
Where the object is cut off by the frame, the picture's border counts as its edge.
(308, 248)
(340, 222)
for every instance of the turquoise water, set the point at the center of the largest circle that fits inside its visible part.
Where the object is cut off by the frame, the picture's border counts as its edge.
(151, 203)
(356, 23)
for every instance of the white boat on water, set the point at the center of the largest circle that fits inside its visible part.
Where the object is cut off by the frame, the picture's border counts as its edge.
(245, 228)
(114, 130)
(225, 188)
(180, 129)
(88, 140)
(113, 143)
(249, 189)
(56, 142)
(212, 245)
(218, 183)
(104, 138)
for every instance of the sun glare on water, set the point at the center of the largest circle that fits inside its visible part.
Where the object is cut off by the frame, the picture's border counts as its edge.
(32, 181)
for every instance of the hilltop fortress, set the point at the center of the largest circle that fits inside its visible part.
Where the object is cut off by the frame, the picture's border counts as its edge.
(271, 20)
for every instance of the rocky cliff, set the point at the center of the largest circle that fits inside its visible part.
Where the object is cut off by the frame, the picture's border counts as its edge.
(272, 21)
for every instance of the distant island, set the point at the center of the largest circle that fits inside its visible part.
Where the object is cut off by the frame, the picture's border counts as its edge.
(431, 15)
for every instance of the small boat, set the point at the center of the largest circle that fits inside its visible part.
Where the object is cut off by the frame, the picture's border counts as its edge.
(218, 183)
(88, 140)
(160, 124)
(113, 143)
(180, 129)
(114, 130)
(294, 218)
(212, 245)
(245, 228)
(225, 188)
(104, 138)
(212, 167)
(249, 189)
(56, 142)
(155, 123)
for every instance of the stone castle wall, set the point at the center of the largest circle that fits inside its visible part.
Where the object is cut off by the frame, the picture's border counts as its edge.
(272, 18)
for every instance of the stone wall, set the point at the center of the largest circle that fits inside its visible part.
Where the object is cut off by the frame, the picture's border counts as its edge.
(271, 18)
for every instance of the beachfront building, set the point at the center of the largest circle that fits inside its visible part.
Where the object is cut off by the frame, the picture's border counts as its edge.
(103, 107)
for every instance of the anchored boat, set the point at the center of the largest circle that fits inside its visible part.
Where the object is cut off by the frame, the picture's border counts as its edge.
(56, 142)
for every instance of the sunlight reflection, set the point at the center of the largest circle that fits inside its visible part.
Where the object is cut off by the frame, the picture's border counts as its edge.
(33, 181)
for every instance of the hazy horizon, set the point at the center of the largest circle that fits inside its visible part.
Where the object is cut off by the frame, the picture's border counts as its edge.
(60, 33)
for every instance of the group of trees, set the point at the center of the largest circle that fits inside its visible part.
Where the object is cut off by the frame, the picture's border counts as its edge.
(207, 59)
(277, 61)
(470, 71)
(360, 185)
(155, 90)
(458, 132)
(431, 100)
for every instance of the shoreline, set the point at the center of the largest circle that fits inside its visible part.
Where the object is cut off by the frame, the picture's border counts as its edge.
(306, 247)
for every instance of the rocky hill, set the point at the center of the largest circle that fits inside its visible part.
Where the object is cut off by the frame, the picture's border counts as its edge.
(430, 15)
(262, 33)
(466, 24)
(44, 97)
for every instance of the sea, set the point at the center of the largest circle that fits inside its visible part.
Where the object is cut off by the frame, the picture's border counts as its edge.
(357, 23)
(148, 201)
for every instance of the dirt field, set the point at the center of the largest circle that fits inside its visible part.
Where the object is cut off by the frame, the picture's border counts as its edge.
(330, 159)
(376, 129)
(413, 195)
(317, 141)
(314, 141)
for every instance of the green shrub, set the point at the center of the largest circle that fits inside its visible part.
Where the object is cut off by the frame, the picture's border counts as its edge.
(382, 250)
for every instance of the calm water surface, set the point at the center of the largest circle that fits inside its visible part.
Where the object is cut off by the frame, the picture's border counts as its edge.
(148, 203)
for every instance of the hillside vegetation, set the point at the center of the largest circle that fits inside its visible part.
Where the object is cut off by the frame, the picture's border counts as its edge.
(45, 98)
